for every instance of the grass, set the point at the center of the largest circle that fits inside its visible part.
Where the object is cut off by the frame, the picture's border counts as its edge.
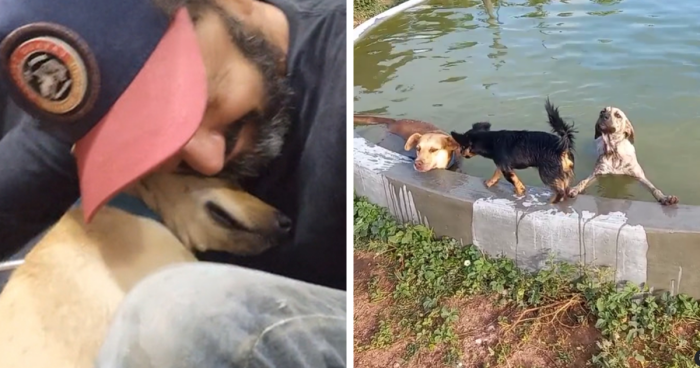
(365, 9)
(428, 288)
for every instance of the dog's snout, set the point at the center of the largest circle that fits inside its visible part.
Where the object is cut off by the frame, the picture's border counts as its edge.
(284, 223)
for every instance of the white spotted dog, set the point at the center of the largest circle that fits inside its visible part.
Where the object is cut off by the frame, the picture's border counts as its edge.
(614, 137)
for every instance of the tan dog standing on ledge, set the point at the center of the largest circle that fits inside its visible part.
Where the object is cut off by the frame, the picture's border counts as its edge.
(435, 149)
(56, 307)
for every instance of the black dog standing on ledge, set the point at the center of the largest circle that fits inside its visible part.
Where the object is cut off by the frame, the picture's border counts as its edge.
(551, 154)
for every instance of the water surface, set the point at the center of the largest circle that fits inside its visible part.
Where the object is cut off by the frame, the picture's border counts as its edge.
(457, 62)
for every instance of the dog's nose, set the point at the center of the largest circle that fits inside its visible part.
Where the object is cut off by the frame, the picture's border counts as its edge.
(284, 223)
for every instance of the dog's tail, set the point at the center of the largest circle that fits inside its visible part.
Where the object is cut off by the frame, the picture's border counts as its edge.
(560, 127)
(372, 120)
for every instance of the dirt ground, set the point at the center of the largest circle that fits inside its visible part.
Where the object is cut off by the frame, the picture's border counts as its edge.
(481, 329)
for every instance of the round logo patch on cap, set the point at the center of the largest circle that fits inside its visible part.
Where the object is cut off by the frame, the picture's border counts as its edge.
(49, 73)
(47, 65)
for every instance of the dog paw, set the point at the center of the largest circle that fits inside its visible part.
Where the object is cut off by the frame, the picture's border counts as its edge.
(572, 193)
(489, 183)
(669, 200)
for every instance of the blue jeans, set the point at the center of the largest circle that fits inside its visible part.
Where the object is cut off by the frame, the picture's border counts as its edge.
(208, 315)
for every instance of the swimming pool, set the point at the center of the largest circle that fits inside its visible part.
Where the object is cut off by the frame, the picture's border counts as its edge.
(457, 62)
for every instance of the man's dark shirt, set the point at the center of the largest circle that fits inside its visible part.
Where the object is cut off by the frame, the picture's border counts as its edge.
(38, 179)
(38, 175)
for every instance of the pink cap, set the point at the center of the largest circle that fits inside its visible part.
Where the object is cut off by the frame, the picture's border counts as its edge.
(151, 121)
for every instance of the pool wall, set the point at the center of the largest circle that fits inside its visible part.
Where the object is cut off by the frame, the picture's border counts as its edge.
(642, 242)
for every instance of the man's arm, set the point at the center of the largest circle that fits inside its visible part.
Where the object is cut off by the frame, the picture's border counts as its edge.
(38, 181)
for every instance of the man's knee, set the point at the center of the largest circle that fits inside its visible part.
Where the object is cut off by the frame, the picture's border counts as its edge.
(208, 313)
(202, 288)
(182, 313)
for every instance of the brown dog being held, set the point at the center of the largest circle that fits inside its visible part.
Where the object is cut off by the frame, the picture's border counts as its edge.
(56, 308)
(435, 149)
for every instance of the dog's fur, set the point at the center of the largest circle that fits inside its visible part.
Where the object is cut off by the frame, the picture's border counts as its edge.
(57, 306)
(614, 137)
(552, 154)
(434, 147)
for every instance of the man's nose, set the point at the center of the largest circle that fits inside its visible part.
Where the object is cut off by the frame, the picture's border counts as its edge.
(205, 153)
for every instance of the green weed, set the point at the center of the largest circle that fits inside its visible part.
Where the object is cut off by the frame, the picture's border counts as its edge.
(365, 9)
(384, 336)
(638, 329)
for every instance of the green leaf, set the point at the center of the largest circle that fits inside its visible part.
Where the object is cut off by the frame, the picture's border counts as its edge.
(600, 304)
(600, 323)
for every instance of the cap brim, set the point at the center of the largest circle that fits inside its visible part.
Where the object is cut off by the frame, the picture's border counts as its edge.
(150, 122)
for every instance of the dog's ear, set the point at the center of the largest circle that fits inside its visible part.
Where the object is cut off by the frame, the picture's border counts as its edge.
(481, 126)
(629, 130)
(598, 132)
(451, 144)
(458, 137)
(412, 141)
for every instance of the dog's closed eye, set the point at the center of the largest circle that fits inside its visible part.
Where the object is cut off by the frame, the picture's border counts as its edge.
(222, 217)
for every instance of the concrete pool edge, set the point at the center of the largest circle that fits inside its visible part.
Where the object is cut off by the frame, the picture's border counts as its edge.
(639, 241)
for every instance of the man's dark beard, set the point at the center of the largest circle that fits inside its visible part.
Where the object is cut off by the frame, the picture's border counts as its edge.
(272, 122)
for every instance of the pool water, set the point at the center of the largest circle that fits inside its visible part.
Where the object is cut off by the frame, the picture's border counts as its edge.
(454, 63)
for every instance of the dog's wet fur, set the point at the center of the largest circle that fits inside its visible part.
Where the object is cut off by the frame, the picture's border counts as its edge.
(510, 150)
(614, 137)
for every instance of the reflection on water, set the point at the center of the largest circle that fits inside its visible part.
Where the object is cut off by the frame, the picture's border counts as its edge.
(456, 62)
